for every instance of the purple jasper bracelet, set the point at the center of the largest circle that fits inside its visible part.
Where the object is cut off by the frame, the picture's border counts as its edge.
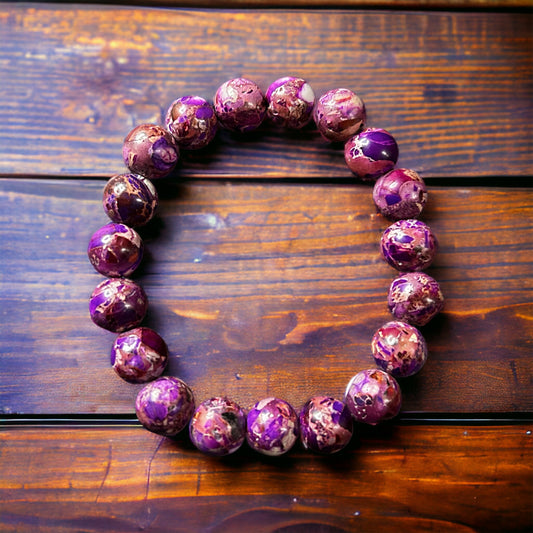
(218, 426)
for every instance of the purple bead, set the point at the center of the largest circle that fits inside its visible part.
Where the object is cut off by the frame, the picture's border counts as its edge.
(130, 199)
(371, 153)
(192, 122)
(290, 102)
(339, 114)
(115, 250)
(218, 427)
(325, 425)
(272, 427)
(401, 193)
(139, 355)
(118, 304)
(150, 151)
(240, 105)
(399, 349)
(415, 297)
(408, 245)
(373, 396)
(165, 406)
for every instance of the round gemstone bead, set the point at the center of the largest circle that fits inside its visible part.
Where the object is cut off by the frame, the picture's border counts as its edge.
(139, 355)
(192, 122)
(339, 114)
(240, 105)
(290, 102)
(118, 304)
(165, 406)
(401, 193)
(415, 297)
(130, 199)
(150, 151)
(371, 153)
(115, 250)
(272, 427)
(399, 349)
(325, 425)
(373, 396)
(218, 427)
(408, 245)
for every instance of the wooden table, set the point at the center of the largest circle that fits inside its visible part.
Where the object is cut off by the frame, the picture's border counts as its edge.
(263, 271)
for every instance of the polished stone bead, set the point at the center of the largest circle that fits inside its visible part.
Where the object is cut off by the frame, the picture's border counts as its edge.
(192, 122)
(118, 304)
(272, 427)
(139, 355)
(415, 297)
(325, 425)
(115, 250)
(165, 406)
(290, 102)
(339, 114)
(408, 245)
(373, 396)
(218, 427)
(371, 153)
(240, 105)
(150, 151)
(401, 193)
(130, 199)
(399, 349)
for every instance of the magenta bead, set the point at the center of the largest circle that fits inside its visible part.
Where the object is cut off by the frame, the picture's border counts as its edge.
(272, 427)
(415, 297)
(150, 151)
(118, 304)
(218, 427)
(401, 193)
(130, 199)
(339, 114)
(373, 396)
(399, 349)
(192, 122)
(139, 355)
(165, 406)
(408, 245)
(290, 102)
(325, 425)
(240, 105)
(115, 250)
(371, 153)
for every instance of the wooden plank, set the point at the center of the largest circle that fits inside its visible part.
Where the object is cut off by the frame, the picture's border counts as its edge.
(413, 478)
(75, 79)
(505, 5)
(264, 289)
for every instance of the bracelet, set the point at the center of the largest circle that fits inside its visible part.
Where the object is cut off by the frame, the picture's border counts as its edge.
(219, 426)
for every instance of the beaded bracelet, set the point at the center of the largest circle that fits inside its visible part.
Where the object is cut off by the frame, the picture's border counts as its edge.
(218, 426)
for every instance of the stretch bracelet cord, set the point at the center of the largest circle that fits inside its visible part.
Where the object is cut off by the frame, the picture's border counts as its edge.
(218, 426)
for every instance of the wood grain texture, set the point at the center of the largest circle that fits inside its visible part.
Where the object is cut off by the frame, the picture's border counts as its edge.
(264, 289)
(506, 5)
(454, 88)
(410, 478)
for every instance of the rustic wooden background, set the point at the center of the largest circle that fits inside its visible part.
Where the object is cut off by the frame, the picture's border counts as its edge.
(263, 270)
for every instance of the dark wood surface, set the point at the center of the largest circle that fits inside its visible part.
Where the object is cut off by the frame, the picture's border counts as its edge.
(454, 88)
(447, 5)
(266, 286)
(126, 479)
(248, 283)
